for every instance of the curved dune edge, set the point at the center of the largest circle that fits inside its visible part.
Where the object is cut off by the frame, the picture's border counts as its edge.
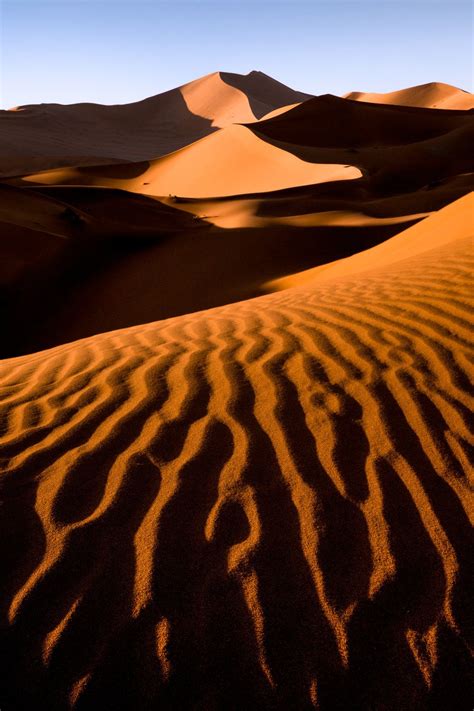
(432, 95)
(180, 500)
(231, 161)
(434, 232)
(46, 136)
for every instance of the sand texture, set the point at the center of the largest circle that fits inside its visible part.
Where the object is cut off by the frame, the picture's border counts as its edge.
(236, 422)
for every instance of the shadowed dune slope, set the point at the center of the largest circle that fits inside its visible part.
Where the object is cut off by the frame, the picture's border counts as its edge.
(264, 91)
(117, 255)
(342, 202)
(397, 148)
(43, 136)
(430, 96)
(103, 258)
(183, 522)
(330, 121)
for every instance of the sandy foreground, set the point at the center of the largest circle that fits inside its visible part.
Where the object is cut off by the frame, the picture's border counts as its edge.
(236, 402)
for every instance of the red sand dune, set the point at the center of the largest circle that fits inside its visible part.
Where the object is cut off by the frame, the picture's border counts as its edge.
(430, 96)
(326, 138)
(247, 485)
(44, 136)
(229, 162)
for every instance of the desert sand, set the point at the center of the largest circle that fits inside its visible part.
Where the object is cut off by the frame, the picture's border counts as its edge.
(43, 136)
(235, 398)
(429, 96)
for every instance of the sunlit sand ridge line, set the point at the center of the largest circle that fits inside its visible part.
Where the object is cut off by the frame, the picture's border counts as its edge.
(202, 169)
(396, 249)
(395, 148)
(39, 137)
(225, 98)
(434, 95)
(180, 500)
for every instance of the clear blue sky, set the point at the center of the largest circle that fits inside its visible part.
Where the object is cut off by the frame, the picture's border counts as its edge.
(115, 51)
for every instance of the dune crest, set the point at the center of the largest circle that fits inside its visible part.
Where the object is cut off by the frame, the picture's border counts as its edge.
(202, 169)
(430, 234)
(433, 95)
(44, 136)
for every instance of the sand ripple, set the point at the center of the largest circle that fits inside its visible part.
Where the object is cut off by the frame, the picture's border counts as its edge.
(261, 506)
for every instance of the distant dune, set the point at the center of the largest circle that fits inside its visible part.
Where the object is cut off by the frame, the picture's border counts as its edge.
(235, 401)
(229, 162)
(325, 138)
(429, 96)
(43, 136)
(398, 148)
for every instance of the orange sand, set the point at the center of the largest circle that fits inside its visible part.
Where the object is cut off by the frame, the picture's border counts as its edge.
(50, 135)
(429, 96)
(264, 504)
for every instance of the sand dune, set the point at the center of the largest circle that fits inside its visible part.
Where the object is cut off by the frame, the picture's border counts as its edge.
(434, 95)
(180, 501)
(202, 169)
(397, 149)
(104, 259)
(39, 137)
(247, 485)
(119, 254)
(430, 96)
(123, 250)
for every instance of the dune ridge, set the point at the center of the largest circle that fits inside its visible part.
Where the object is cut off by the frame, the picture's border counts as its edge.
(180, 501)
(394, 148)
(432, 95)
(201, 169)
(44, 136)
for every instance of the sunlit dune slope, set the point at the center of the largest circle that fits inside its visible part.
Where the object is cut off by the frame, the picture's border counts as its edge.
(43, 136)
(268, 500)
(228, 162)
(432, 95)
(432, 233)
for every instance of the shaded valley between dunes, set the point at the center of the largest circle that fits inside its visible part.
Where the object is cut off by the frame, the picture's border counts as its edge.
(235, 402)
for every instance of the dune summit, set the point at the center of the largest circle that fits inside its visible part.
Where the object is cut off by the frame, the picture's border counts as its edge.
(235, 398)
(428, 96)
(45, 136)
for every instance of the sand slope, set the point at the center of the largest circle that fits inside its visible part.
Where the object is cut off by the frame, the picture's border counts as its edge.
(123, 259)
(430, 96)
(43, 136)
(230, 162)
(180, 502)
(397, 149)
(103, 259)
